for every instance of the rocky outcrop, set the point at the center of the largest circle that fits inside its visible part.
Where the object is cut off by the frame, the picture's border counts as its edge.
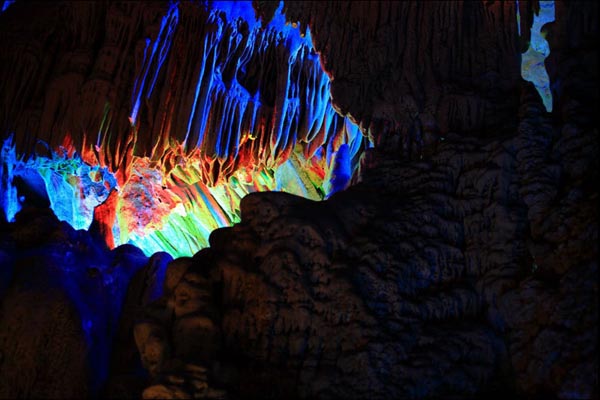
(572, 64)
(471, 270)
(433, 278)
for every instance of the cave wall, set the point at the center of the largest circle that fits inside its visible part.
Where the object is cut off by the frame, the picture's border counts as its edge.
(463, 264)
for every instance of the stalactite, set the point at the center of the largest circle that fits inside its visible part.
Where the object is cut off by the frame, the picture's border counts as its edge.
(220, 106)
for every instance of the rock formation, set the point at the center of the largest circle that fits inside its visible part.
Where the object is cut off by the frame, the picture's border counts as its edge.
(135, 77)
(61, 308)
(463, 264)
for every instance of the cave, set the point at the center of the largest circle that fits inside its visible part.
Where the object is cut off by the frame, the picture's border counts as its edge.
(298, 199)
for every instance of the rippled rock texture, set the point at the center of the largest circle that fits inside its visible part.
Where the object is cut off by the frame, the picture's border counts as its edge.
(447, 276)
(465, 262)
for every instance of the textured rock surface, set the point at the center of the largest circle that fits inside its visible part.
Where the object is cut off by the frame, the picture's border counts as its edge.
(432, 278)
(60, 308)
(470, 270)
(126, 373)
(465, 263)
(409, 70)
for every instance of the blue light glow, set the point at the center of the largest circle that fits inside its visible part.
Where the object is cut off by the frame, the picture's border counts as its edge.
(9, 200)
(7, 4)
(532, 65)
(72, 187)
(154, 63)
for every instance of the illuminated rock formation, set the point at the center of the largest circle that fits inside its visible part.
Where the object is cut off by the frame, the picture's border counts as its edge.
(184, 104)
(462, 262)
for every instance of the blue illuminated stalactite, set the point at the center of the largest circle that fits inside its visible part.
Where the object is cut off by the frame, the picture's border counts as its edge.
(200, 102)
(532, 64)
(6, 4)
(160, 49)
(341, 172)
(223, 108)
(8, 162)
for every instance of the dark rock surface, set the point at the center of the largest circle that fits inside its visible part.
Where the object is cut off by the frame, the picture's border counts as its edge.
(406, 71)
(61, 300)
(433, 278)
(465, 262)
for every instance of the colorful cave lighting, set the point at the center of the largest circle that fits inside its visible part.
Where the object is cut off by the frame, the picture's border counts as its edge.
(237, 140)
(246, 129)
(532, 62)
(6, 4)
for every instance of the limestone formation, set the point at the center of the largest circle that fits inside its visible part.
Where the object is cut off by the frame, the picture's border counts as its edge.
(462, 263)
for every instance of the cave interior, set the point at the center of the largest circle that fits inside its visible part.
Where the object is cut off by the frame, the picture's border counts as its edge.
(299, 199)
